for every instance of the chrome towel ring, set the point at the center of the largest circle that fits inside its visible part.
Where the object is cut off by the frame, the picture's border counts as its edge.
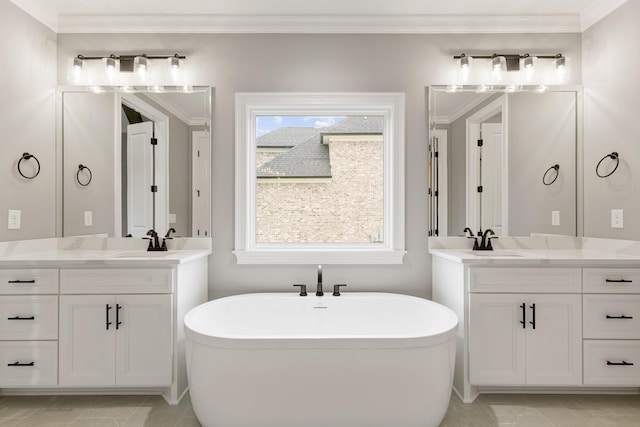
(555, 168)
(613, 156)
(90, 175)
(27, 156)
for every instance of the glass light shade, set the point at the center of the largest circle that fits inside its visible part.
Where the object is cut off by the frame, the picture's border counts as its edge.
(174, 62)
(78, 63)
(499, 66)
(140, 65)
(465, 67)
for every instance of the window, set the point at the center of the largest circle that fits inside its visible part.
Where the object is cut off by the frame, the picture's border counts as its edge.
(319, 178)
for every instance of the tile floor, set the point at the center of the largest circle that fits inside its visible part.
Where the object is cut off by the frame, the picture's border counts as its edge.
(488, 410)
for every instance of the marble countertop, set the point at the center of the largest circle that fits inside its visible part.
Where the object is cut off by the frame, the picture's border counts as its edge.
(79, 251)
(566, 251)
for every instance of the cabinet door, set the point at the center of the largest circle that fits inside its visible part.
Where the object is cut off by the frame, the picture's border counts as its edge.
(496, 339)
(87, 340)
(554, 347)
(144, 340)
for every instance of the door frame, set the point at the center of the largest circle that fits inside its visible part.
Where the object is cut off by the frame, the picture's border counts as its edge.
(161, 131)
(473, 122)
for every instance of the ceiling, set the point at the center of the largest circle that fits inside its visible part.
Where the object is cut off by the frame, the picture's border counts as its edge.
(326, 16)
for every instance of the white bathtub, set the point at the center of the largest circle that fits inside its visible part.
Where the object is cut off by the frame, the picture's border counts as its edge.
(357, 360)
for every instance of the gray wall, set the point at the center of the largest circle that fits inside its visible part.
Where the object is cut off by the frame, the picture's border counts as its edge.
(88, 130)
(378, 63)
(611, 71)
(542, 132)
(27, 122)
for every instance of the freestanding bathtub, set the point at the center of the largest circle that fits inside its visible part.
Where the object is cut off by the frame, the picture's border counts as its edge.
(357, 360)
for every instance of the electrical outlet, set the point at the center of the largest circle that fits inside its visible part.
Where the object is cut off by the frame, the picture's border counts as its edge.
(88, 218)
(14, 219)
(617, 218)
(172, 218)
(555, 217)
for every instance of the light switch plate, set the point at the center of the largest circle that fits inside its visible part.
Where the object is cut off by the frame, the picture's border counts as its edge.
(15, 219)
(555, 217)
(172, 218)
(617, 218)
(88, 218)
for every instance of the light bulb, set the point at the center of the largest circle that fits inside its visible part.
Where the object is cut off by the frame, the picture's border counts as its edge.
(140, 65)
(174, 62)
(465, 66)
(78, 63)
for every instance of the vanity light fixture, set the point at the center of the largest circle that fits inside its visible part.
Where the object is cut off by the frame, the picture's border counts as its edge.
(139, 63)
(502, 62)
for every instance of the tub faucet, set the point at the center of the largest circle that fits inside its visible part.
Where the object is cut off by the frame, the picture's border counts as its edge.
(319, 292)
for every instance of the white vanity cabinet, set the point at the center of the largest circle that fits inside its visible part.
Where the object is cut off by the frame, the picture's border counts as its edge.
(519, 332)
(28, 327)
(121, 339)
(611, 326)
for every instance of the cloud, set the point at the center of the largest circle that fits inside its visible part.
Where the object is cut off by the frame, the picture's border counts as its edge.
(277, 119)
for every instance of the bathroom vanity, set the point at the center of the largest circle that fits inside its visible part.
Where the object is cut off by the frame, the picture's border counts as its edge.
(97, 315)
(542, 314)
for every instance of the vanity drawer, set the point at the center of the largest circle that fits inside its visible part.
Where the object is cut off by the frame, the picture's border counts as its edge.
(612, 362)
(28, 281)
(611, 316)
(525, 280)
(29, 317)
(28, 363)
(116, 281)
(611, 280)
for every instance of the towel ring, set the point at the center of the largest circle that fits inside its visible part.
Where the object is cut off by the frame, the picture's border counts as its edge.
(613, 156)
(555, 167)
(27, 156)
(80, 169)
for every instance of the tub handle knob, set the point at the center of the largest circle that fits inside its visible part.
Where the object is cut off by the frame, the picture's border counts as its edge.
(336, 290)
(303, 290)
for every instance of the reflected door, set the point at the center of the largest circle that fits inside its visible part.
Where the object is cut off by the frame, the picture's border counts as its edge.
(139, 179)
(492, 164)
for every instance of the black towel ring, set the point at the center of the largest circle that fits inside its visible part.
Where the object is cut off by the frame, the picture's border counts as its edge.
(555, 167)
(80, 169)
(27, 156)
(613, 156)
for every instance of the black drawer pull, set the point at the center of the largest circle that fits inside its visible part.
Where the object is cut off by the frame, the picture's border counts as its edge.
(619, 317)
(524, 316)
(118, 322)
(533, 313)
(107, 308)
(623, 363)
(21, 318)
(21, 364)
(22, 281)
(618, 281)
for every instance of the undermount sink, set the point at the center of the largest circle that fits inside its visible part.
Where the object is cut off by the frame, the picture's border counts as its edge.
(496, 254)
(142, 254)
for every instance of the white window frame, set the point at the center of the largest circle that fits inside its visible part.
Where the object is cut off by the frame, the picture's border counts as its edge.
(251, 105)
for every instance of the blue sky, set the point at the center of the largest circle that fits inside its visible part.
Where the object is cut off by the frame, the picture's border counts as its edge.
(266, 124)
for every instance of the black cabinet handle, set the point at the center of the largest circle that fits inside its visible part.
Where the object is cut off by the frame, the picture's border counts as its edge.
(524, 316)
(533, 312)
(618, 281)
(21, 318)
(118, 322)
(619, 317)
(336, 290)
(21, 364)
(623, 363)
(22, 281)
(303, 290)
(107, 313)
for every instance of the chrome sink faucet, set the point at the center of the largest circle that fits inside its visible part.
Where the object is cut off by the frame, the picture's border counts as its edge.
(319, 292)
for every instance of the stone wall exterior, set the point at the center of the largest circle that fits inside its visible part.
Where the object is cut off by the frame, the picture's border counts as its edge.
(347, 208)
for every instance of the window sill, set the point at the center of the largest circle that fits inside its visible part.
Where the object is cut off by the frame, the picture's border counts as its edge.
(291, 256)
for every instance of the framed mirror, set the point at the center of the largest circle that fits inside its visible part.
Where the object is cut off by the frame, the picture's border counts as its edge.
(134, 159)
(504, 158)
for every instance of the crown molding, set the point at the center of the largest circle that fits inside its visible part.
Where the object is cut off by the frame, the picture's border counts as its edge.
(597, 10)
(320, 24)
(39, 11)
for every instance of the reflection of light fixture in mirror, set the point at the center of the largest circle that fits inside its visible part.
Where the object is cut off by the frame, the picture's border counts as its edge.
(453, 88)
(156, 89)
(126, 89)
(483, 88)
(498, 66)
(540, 89)
(97, 89)
(187, 89)
(512, 88)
